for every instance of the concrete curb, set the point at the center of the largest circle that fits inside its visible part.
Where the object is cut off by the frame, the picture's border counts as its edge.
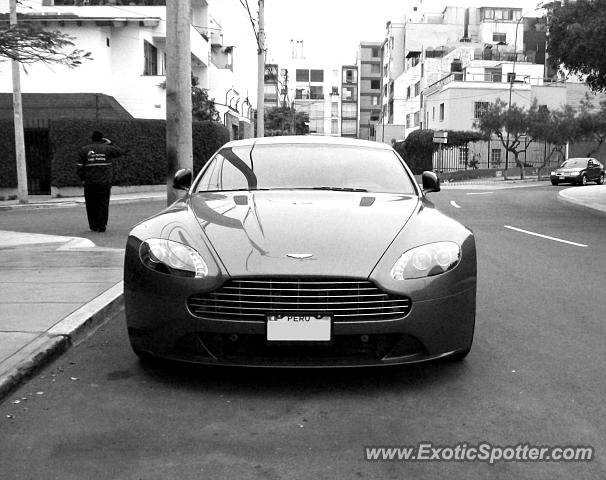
(564, 196)
(58, 339)
(76, 203)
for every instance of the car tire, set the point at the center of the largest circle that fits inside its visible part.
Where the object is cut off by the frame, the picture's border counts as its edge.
(600, 180)
(583, 180)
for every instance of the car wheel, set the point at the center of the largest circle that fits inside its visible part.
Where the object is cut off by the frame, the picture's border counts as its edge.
(583, 180)
(554, 182)
(600, 180)
(460, 355)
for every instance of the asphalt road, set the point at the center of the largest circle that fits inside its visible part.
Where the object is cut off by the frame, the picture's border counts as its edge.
(535, 375)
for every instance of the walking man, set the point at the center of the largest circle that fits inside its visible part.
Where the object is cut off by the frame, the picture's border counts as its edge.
(96, 169)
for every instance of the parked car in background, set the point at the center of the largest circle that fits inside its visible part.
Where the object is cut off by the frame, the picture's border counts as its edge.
(301, 251)
(578, 170)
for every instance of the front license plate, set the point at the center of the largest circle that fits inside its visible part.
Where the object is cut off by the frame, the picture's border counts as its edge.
(298, 328)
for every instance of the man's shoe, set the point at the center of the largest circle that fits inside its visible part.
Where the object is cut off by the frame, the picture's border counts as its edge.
(102, 229)
(94, 229)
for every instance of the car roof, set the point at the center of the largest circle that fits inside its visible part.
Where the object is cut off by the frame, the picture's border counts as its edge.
(308, 140)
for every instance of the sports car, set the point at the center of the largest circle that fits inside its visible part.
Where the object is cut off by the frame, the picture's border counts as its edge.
(301, 251)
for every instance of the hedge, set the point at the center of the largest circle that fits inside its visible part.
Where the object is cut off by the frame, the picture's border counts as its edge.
(143, 140)
(8, 165)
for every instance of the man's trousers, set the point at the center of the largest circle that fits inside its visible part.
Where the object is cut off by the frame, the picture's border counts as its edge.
(97, 205)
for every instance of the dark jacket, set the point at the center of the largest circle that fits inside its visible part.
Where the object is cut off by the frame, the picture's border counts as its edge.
(96, 165)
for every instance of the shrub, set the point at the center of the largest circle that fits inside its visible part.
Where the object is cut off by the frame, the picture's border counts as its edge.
(8, 165)
(144, 142)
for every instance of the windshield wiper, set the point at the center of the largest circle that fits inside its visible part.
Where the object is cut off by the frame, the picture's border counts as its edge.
(341, 189)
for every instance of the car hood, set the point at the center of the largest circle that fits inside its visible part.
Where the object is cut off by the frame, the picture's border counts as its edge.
(337, 233)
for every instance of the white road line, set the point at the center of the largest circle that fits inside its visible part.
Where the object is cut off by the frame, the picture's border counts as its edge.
(454, 204)
(479, 193)
(546, 236)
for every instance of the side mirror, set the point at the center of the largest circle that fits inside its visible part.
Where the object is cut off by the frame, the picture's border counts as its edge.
(182, 179)
(431, 182)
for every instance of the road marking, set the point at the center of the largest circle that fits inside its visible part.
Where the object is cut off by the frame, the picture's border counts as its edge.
(454, 204)
(546, 236)
(479, 193)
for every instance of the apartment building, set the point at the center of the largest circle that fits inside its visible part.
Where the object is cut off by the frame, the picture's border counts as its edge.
(423, 47)
(369, 67)
(349, 101)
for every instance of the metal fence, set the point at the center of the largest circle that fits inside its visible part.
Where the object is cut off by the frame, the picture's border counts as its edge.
(489, 154)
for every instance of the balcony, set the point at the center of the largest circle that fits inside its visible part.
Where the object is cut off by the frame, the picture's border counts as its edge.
(486, 77)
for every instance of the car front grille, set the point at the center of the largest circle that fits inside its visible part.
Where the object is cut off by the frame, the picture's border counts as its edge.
(254, 299)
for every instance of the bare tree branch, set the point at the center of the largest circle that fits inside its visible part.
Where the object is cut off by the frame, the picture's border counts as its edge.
(29, 44)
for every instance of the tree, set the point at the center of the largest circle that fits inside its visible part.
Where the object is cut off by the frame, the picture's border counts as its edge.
(556, 128)
(29, 44)
(577, 35)
(592, 123)
(278, 121)
(513, 126)
(203, 108)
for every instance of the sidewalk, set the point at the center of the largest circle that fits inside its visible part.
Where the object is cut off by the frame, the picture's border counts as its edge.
(54, 291)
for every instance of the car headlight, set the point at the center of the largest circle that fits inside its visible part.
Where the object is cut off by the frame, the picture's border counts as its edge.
(172, 258)
(426, 261)
(552, 173)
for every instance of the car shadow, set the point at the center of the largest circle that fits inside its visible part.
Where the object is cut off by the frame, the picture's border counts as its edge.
(284, 381)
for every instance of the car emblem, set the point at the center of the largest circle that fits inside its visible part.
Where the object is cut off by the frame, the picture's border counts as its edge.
(300, 256)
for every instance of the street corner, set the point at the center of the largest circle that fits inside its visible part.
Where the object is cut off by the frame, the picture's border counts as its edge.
(589, 196)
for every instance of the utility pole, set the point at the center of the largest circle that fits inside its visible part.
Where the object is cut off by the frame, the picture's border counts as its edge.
(261, 72)
(179, 149)
(18, 119)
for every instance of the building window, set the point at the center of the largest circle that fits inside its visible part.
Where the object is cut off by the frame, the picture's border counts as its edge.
(408, 120)
(479, 109)
(433, 113)
(316, 93)
(374, 117)
(302, 94)
(349, 110)
(375, 68)
(150, 55)
(349, 76)
(416, 120)
(441, 112)
(317, 76)
(335, 90)
(302, 75)
(499, 37)
(417, 88)
(407, 93)
(495, 156)
(334, 126)
(349, 93)
(374, 100)
(375, 84)
(334, 110)
(375, 52)
(349, 127)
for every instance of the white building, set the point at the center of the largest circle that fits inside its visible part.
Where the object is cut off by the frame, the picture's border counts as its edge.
(128, 50)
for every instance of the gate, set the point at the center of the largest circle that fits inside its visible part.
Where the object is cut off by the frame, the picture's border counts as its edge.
(37, 156)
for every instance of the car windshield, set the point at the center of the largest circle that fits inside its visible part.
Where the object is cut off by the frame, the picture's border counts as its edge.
(306, 166)
(574, 163)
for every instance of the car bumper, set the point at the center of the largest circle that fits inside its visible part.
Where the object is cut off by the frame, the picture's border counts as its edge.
(161, 325)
